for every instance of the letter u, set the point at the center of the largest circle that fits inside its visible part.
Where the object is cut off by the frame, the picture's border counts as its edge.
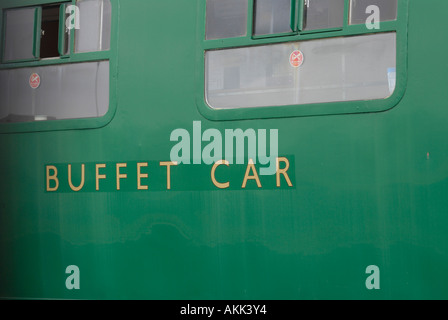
(76, 189)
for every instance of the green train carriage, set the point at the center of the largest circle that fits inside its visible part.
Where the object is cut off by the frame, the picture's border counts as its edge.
(93, 205)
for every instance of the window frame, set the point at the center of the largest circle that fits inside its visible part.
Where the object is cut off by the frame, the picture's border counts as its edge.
(315, 109)
(71, 58)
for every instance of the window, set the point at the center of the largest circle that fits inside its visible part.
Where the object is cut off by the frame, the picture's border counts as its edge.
(226, 19)
(262, 75)
(360, 10)
(49, 41)
(94, 35)
(81, 88)
(323, 14)
(19, 34)
(32, 33)
(272, 17)
(54, 68)
(40, 32)
(297, 53)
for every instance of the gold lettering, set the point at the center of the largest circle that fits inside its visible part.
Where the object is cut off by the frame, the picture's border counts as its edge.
(76, 189)
(99, 176)
(251, 167)
(53, 177)
(168, 172)
(284, 171)
(120, 175)
(141, 176)
(215, 182)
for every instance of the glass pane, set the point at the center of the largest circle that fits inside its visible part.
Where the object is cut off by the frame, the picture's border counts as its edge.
(226, 19)
(67, 33)
(323, 14)
(19, 34)
(359, 12)
(69, 91)
(107, 25)
(95, 26)
(272, 16)
(323, 70)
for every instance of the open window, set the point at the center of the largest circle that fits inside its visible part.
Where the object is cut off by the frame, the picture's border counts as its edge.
(33, 33)
(291, 53)
(50, 30)
(55, 62)
(45, 31)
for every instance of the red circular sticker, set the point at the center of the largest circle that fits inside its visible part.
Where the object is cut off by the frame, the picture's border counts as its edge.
(34, 81)
(296, 58)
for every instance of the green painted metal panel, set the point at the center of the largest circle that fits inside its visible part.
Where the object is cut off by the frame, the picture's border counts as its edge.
(369, 188)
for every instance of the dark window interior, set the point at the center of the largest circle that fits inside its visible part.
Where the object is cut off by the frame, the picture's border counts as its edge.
(50, 32)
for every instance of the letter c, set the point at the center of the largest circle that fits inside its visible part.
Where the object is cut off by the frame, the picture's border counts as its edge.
(215, 182)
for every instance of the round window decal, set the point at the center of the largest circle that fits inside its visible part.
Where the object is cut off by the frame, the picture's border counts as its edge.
(34, 81)
(296, 58)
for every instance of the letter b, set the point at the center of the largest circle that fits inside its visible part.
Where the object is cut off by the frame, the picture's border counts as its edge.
(52, 177)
